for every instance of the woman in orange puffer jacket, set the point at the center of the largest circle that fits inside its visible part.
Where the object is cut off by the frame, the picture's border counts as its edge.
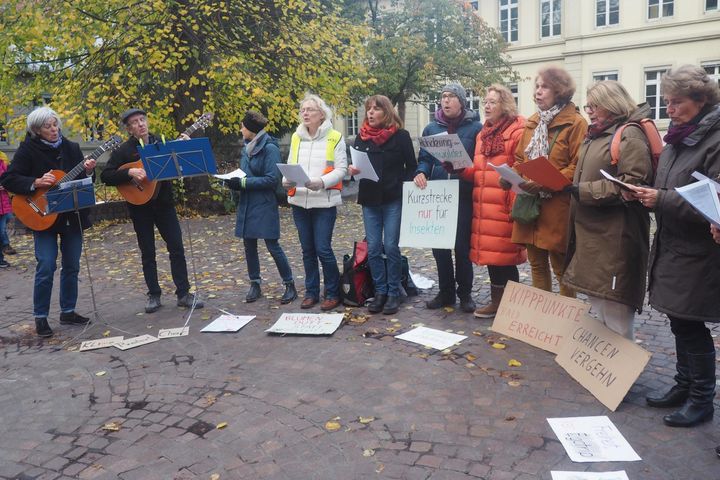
(491, 223)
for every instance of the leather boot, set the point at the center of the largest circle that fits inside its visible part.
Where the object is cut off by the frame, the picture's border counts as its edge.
(442, 299)
(376, 306)
(489, 310)
(392, 305)
(72, 318)
(254, 293)
(42, 328)
(699, 407)
(678, 393)
(467, 304)
(290, 293)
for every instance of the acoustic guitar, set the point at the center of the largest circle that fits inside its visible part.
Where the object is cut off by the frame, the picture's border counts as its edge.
(32, 209)
(141, 192)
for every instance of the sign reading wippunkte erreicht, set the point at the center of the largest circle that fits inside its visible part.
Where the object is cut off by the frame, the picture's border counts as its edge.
(429, 215)
(537, 317)
(602, 361)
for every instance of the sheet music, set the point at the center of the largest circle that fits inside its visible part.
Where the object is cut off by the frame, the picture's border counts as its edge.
(294, 173)
(361, 161)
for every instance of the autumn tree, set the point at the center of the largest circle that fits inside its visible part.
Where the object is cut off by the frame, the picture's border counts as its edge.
(177, 58)
(419, 45)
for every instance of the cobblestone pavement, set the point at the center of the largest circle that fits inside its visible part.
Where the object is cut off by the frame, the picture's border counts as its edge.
(426, 414)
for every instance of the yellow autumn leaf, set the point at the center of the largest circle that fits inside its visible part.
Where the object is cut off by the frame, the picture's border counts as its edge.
(215, 476)
(368, 452)
(499, 346)
(514, 363)
(449, 309)
(332, 426)
(514, 383)
(221, 425)
(100, 373)
(470, 357)
(111, 427)
(106, 333)
(478, 334)
(366, 420)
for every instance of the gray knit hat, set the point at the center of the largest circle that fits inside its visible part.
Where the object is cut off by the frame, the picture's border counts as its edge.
(457, 90)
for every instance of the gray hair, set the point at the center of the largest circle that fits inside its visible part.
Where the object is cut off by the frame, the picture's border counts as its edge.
(38, 117)
(691, 81)
(319, 103)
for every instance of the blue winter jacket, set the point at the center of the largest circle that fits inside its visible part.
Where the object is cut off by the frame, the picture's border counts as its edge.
(257, 210)
(467, 131)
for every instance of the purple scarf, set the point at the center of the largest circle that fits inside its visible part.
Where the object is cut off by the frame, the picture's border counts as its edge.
(452, 123)
(676, 134)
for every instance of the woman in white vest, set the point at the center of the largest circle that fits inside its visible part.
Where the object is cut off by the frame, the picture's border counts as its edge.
(320, 150)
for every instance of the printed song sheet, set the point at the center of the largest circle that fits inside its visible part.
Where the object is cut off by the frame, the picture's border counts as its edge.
(592, 439)
(294, 173)
(361, 161)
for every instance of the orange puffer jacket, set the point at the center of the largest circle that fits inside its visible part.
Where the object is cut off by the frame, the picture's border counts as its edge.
(491, 224)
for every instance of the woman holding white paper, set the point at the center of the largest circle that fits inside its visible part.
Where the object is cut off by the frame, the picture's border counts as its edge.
(684, 271)
(556, 132)
(492, 226)
(320, 151)
(613, 278)
(392, 156)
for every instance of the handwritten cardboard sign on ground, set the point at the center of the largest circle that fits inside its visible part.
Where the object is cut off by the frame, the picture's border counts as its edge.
(429, 216)
(307, 323)
(100, 343)
(537, 317)
(133, 342)
(602, 361)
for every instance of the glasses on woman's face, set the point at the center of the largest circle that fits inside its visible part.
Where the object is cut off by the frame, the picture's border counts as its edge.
(589, 108)
(490, 103)
(309, 110)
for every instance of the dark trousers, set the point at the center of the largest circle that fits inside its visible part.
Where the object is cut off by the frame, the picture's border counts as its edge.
(463, 271)
(501, 274)
(693, 335)
(145, 218)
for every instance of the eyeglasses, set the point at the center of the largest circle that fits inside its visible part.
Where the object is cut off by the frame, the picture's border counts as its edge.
(491, 103)
(309, 110)
(449, 95)
(589, 108)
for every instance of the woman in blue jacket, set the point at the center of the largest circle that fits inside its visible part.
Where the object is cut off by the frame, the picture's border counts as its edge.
(452, 116)
(257, 210)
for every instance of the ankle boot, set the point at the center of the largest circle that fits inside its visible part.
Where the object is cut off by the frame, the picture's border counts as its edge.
(378, 303)
(392, 305)
(42, 328)
(678, 393)
(442, 299)
(254, 292)
(290, 293)
(699, 407)
(489, 310)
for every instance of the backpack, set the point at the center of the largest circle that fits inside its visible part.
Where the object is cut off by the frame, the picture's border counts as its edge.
(651, 133)
(356, 281)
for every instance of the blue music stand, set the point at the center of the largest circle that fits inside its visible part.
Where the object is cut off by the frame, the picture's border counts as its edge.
(71, 196)
(178, 158)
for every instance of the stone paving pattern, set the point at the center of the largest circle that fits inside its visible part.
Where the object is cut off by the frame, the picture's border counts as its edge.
(437, 415)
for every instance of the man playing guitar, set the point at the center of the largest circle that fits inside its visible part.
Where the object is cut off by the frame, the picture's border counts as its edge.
(158, 212)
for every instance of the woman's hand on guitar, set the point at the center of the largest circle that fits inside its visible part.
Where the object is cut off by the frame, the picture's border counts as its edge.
(47, 180)
(184, 136)
(89, 165)
(137, 174)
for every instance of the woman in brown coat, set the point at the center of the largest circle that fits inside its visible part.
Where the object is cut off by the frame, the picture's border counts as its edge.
(609, 237)
(556, 131)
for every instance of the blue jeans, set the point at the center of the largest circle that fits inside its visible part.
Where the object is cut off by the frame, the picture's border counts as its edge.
(315, 228)
(253, 261)
(382, 228)
(46, 251)
(4, 239)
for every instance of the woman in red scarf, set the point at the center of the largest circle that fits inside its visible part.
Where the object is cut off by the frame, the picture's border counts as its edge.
(392, 155)
(491, 223)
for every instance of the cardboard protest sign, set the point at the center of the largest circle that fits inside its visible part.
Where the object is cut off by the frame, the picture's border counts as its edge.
(173, 332)
(307, 323)
(537, 317)
(99, 343)
(135, 342)
(602, 361)
(447, 148)
(429, 216)
(592, 439)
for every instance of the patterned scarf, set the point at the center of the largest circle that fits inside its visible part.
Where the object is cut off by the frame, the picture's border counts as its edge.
(538, 146)
(376, 135)
(491, 137)
(54, 144)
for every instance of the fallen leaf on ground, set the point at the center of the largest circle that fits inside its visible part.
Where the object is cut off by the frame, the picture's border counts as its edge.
(499, 346)
(368, 452)
(100, 373)
(215, 476)
(514, 383)
(210, 399)
(366, 420)
(106, 333)
(514, 363)
(449, 309)
(380, 468)
(111, 427)
(478, 334)
(509, 418)
(470, 357)
(221, 425)
(332, 426)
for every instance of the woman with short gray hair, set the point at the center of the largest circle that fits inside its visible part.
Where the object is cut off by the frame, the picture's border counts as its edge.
(44, 150)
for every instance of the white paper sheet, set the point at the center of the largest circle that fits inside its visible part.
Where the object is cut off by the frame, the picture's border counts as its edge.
(294, 173)
(623, 185)
(361, 161)
(421, 281)
(173, 332)
(99, 343)
(234, 174)
(619, 475)
(700, 176)
(703, 197)
(431, 337)
(592, 439)
(447, 148)
(228, 323)
(307, 323)
(510, 175)
(136, 342)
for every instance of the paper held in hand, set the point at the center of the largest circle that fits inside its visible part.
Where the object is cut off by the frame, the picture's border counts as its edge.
(623, 185)
(447, 148)
(234, 174)
(541, 171)
(361, 161)
(294, 173)
(510, 175)
(703, 197)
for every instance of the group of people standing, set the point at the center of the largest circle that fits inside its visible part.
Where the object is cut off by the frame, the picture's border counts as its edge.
(593, 235)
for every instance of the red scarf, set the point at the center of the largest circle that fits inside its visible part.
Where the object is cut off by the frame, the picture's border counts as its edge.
(376, 135)
(491, 137)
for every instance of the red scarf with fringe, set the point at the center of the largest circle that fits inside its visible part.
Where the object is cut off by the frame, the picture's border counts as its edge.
(376, 135)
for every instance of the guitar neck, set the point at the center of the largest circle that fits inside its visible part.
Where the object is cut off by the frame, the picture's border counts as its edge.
(80, 167)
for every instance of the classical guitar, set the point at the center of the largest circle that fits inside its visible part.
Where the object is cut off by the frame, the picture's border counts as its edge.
(141, 192)
(32, 209)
